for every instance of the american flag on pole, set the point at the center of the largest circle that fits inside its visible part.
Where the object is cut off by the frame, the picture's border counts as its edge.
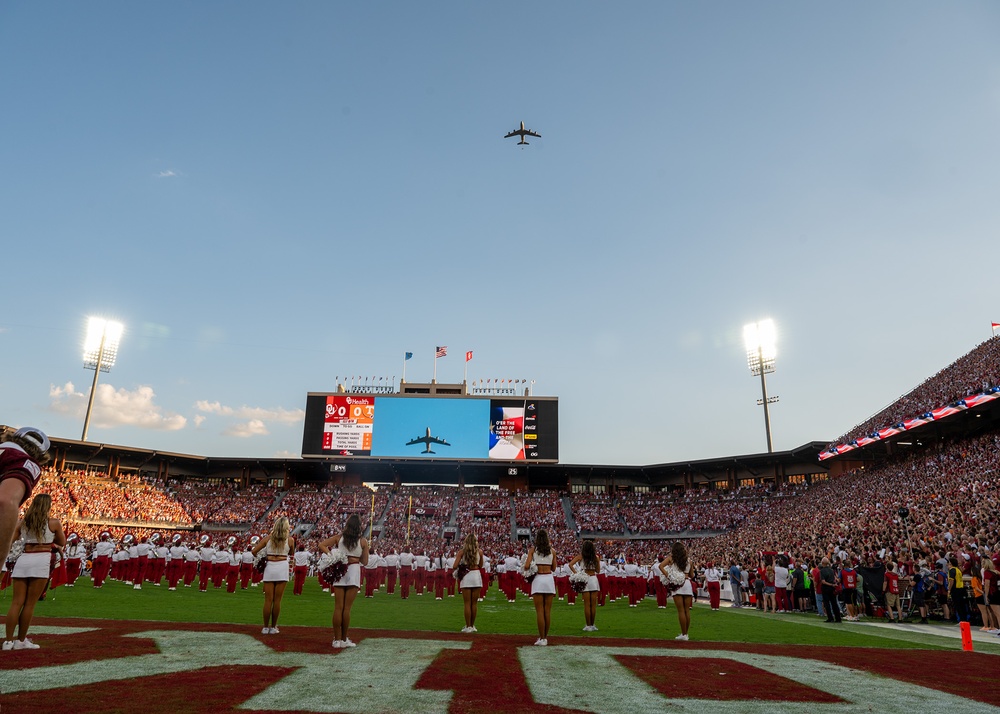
(440, 352)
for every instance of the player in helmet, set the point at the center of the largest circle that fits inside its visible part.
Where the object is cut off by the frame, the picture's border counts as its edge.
(23, 453)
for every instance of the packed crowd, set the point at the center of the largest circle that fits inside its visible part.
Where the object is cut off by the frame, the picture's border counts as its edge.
(973, 373)
(224, 503)
(596, 512)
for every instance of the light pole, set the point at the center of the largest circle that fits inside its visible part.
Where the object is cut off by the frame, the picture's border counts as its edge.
(759, 338)
(100, 350)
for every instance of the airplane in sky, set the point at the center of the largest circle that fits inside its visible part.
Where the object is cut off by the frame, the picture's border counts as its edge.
(427, 441)
(522, 132)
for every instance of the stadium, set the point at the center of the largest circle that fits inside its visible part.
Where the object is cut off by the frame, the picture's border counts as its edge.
(914, 484)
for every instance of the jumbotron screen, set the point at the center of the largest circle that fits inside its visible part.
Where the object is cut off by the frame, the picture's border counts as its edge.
(421, 427)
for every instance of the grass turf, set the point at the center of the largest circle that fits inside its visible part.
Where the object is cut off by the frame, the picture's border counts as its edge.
(117, 601)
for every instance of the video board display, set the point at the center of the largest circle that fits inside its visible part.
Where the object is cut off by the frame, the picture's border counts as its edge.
(421, 427)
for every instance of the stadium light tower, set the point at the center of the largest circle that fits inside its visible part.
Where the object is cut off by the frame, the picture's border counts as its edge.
(100, 350)
(759, 338)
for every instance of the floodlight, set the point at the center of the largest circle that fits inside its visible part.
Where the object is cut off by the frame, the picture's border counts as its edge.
(100, 346)
(100, 350)
(760, 341)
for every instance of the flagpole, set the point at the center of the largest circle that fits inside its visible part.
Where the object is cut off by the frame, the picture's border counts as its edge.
(404, 366)
(408, 509)
(435, 366)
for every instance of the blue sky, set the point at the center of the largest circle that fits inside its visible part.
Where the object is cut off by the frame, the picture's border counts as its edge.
(273, 195)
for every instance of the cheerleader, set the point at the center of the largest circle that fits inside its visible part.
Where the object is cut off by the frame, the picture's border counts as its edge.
(590, 563)
(469, 561)
(677, 562)
(278, 545)
(351, 543)
(543, 586)
(31, 571)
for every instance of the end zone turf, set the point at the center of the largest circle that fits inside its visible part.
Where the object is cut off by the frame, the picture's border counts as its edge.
(131, 666)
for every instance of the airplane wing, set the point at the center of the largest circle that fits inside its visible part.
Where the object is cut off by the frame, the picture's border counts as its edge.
(513, 133)
(435, 440)
(414, 441)
(529, 132)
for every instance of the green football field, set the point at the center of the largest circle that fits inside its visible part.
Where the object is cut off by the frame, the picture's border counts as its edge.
(423, 613)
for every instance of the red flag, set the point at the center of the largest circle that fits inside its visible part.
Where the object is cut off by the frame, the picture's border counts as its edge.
(994, 325)
(468, 355)
(58, 576)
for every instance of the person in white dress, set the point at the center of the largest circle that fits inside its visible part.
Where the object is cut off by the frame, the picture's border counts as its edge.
(543, 585)
(351, 543)
(469, 561)
(278, 545)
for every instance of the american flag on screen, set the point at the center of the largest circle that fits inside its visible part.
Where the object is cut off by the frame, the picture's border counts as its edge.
(440, 352)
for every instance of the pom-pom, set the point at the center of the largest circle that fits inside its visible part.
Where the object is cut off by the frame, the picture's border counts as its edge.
(578, 581)
(333, 566)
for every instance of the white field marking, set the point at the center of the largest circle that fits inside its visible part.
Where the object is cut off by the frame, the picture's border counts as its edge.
(591, 679)
(356, 681)
(53, 630)
(309, 688)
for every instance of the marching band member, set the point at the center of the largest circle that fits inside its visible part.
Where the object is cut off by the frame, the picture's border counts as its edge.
(246, 564)
(75, 554)
(277, 546)
(352, 544)
(31, 571)
(142, 551)
(449, 567)
(233, 569)
(405, 572)
(420, 572)
(220, 567)
(302, 559)
(161, 554)
(512, 567)
(191, 560)
(175, 565)
(103, 550)
(371, 573)
(391, 571)
(206, 554)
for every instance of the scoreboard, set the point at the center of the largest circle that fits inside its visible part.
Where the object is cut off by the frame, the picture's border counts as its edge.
(484, 428)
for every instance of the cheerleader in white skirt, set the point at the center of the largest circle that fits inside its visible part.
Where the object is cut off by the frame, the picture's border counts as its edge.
(543, 585)
(31, 571)
(278, 545)
(351, 543)
(470, 558)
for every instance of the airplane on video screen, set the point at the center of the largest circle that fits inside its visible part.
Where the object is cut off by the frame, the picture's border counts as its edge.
(522, 132)
(427, 441)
